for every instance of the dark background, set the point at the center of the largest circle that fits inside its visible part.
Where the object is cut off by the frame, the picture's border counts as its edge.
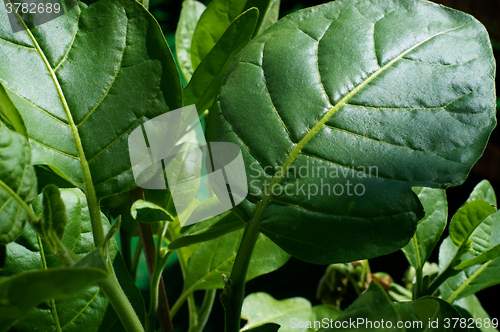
(297, 278)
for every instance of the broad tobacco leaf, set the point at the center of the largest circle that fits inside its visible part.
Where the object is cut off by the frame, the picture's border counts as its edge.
(342, 108)
(17, 183)
(83, 81)
(88, 309)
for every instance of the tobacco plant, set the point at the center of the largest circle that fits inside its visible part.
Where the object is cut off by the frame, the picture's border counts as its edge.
(347, 116)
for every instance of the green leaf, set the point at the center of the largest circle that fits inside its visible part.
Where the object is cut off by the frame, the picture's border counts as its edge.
(471, 279)
(17, 184)
(483, 191)
(430, 228)
(53, 222)
(485, 245)
(89, 307)
(374, 305)
(213, 258)
(294, 314)
(81, 129)
(470, 307)
(268, 13)
(10, 114)
(190, 14)
(467, 219)
(428, 314)
(149, 212)
(207, 230)
(24, 291)
(207, 78)
(342, 108)
(211, 26)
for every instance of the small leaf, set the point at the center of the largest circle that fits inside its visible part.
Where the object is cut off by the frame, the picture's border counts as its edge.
(467, 219)
(207, 230)
(17, 184)
(211, 26)
(261, 308)
(430, 228)
(470, 307)
(213, 258)
(374, 305)
(483, 191)
(207, 78)
(53, 222)
(190, 14)
(148, 212)
(471, 279)
(23, 291)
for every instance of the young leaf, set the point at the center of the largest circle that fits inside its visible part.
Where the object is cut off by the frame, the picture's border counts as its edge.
(470, 280)
(470, 307)
(268, 13)
(483, 191)
(148, 212)
(430, 228)
(374, 305)
(467, 219)
(211, 26)
(17, 184)
(261, 308)
(207, 230)
(213, 258)
(207, 78)
(89, 307)
(21, 292)
(81, 129)
(190, 14)
(341, 90)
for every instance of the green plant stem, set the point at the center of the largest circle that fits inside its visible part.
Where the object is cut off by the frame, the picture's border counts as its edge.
(135, 259)
(121, 304)
(455, 294)
(418, 283)
(188, 295)
(447, 273)
(154, 290)
(29, 211)
(232, 298)
(204, 312)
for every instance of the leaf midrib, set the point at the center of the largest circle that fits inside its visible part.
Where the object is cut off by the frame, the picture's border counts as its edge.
(297, 148)
(89, 186)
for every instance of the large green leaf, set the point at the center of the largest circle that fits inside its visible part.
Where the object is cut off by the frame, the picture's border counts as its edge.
(483, 191)
(89, 307)
(471, 279)
(83, 81)
(342, 108)
(213, 258)
(23, 291)
(430, 228)
(207, 78)
(268, 13)
(295, 314)
(17, 184)
(190, 14)
(372, 306)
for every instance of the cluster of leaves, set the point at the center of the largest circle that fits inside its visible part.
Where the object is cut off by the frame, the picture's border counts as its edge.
(349, 85)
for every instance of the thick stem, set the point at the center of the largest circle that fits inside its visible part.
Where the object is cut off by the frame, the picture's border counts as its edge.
(234, 292)
(121, 304)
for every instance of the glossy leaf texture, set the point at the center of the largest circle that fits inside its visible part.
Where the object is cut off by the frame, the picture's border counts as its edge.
(23, 291)
(261, 308)
(471, 279)
(190, 14)
(87, 309)
(483, 191)
(373, 305)
(17, 184)
(342, 108)
(430, 228)
(213, 258)
(268, 13)
(83, 81)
